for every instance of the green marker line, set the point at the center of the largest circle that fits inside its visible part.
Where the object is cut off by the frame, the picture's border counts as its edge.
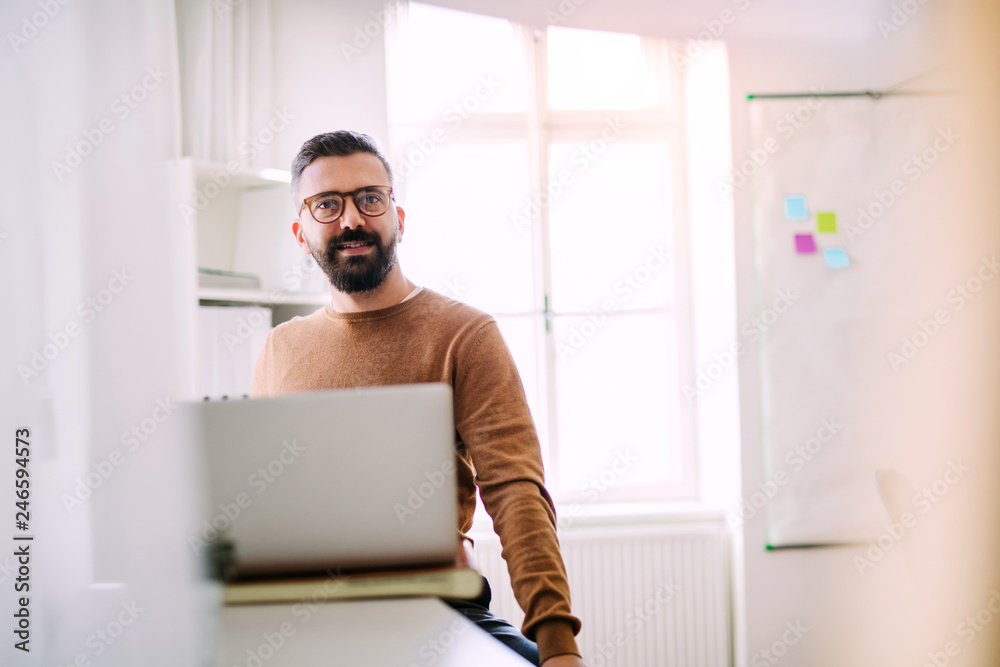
(772, 547)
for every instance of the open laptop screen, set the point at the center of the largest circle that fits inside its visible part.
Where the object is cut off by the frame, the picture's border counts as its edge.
(349, 478)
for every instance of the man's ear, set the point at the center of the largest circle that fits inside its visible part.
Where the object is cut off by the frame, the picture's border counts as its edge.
(299, 231)
(400, 214)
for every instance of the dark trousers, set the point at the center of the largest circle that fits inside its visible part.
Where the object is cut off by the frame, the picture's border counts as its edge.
(478, 611)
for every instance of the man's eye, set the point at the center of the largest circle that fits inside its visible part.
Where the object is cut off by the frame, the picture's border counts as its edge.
(371, 198)
(327, 204)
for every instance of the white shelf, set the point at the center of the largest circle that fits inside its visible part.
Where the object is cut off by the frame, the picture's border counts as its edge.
(242, 178)
(262, 297)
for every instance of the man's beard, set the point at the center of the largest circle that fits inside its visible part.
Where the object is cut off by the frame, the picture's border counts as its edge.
(356, 273)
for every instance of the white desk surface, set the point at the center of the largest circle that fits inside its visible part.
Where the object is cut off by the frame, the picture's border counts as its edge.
(414, 632)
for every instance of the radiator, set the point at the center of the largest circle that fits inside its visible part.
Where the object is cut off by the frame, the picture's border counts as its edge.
(648, 596)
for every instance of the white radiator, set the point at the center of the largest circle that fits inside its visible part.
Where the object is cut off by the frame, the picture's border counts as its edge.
(648, 596)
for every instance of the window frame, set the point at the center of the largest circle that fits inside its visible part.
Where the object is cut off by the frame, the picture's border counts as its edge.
(540, 127)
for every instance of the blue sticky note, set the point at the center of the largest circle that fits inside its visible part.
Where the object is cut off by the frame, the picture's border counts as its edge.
(795, 208)
(836, 258)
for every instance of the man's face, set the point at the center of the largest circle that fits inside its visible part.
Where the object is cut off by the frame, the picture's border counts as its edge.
(356, 252)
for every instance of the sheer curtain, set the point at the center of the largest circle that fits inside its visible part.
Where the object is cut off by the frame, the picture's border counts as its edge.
(94, 332)
(225, 77)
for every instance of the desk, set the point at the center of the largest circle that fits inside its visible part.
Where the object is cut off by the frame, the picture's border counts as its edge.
(413, 632)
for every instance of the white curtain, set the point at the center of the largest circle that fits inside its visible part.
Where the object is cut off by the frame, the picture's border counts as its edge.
(96, 320)
(226, 79)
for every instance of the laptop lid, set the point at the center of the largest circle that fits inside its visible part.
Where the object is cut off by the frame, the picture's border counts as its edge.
(347, 478)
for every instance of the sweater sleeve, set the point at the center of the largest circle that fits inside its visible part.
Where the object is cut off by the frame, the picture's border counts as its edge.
(493, 420)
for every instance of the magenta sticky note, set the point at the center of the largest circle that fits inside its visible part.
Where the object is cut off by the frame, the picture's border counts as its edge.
(805, 243)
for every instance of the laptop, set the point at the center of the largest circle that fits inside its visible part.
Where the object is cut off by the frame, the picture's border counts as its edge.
(346, 479)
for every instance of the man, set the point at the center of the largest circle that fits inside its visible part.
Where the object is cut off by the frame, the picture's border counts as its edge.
(379, 329)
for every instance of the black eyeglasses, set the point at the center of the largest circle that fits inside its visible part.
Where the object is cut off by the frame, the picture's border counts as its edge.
(327, 207)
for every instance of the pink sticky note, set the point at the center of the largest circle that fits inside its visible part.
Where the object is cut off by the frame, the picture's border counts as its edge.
(805, 243)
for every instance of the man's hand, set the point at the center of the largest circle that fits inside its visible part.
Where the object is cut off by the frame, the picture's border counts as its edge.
(564, 660)
(466, 556)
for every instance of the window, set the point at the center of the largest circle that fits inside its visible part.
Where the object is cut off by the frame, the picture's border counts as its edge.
(542, 173)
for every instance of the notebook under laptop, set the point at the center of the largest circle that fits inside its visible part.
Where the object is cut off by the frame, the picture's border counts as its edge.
(349, 478)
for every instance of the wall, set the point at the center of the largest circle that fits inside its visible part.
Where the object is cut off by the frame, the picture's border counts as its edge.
(816, 589)
(898, 611)
(329, 64)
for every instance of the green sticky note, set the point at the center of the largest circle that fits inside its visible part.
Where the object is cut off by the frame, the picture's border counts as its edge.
(826, 222)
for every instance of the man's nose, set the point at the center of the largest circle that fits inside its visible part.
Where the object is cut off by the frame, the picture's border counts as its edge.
(351, 218)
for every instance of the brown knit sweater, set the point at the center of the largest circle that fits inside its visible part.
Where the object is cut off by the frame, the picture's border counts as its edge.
(430, 338)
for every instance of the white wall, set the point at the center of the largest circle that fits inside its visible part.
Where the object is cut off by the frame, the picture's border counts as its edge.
(329, 65)
(893, 614)
(817, 588)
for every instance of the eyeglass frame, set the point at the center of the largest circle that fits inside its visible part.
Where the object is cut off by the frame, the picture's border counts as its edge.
(387, 189)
